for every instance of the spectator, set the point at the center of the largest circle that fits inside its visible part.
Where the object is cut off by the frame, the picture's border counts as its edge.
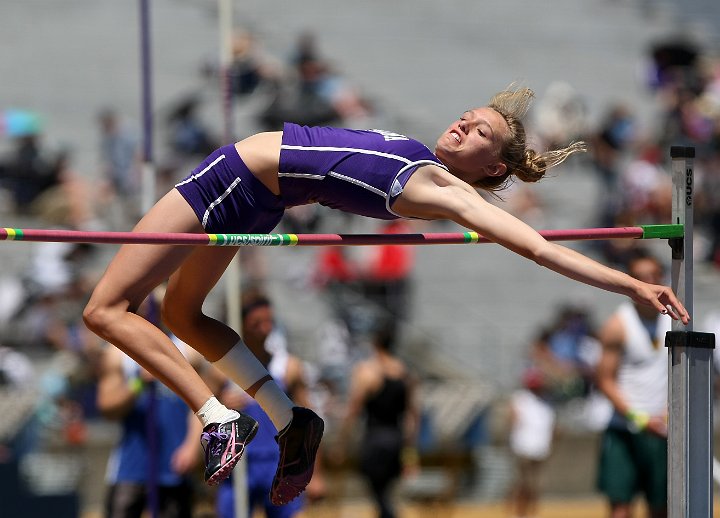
(249, 69)
(560, 115)
(258, 324)
(632, 374)
(645, 187)
(28, 171)
(188, 135)
(532, 425)
(707, 203)
(71, 202)
(301, 98)
(313, 94)
(387, 274)
(16, 369)
(151, 466)
(383, 391)
(120, 156)
(609, 143)
(570, 341)
(711, 324)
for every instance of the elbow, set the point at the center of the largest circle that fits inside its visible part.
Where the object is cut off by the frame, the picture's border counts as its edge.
(538, 254)
(544, 253)
(536, 257)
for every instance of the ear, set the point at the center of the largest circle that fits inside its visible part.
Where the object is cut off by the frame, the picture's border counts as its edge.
(498, 169)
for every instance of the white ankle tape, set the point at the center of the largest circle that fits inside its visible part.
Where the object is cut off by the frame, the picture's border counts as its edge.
(241, 366)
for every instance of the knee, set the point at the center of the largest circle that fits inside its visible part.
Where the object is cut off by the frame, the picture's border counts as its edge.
(97, 318)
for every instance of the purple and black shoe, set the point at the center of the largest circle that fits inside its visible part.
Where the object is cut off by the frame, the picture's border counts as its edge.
(224, 445)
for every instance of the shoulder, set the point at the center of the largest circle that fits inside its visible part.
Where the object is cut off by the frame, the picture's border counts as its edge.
(432, 192)
(112, 360)
(612, 333)
(366, 371)
(112, 355)
(397, 368)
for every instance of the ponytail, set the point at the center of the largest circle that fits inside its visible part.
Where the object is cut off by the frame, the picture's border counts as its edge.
(534, 164)
(524, 163)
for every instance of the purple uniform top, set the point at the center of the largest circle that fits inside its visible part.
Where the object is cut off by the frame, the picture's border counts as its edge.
(356, 171)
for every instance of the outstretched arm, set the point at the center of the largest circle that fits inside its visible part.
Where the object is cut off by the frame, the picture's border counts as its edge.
(433, 193)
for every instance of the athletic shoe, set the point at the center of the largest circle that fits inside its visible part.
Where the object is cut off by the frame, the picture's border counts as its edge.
(298, 442)
(224, 444)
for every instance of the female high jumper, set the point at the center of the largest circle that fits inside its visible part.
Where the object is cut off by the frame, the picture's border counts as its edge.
(245, 188)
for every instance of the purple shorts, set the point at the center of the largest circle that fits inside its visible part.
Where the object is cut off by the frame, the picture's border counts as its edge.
(228, 199)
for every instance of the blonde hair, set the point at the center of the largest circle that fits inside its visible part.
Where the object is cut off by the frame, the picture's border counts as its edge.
(526, 164)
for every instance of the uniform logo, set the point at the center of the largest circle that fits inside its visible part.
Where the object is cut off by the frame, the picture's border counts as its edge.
(396, 189)
(389, 135)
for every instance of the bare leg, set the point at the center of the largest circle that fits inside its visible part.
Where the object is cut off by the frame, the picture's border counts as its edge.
(134, 272)
(186, 292)
(182, 313)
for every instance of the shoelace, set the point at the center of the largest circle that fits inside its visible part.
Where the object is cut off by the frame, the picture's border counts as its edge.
(214, 441)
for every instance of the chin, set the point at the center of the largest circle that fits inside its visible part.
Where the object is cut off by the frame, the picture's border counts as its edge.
(440, 151)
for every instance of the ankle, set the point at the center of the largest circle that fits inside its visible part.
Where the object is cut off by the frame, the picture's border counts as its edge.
(215, 412)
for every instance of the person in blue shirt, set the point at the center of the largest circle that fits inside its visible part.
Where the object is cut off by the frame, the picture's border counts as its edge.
(262, 456)
(150, 467)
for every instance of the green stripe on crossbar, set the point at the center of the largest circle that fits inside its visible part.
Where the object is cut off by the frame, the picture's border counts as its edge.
(662, 231)
(14, 234)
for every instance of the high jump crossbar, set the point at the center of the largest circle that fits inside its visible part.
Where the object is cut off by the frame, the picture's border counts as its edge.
(448, 238)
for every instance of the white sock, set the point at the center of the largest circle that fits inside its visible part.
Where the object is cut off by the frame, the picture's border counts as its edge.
(215, 412)
(276, 404)
(242, 367)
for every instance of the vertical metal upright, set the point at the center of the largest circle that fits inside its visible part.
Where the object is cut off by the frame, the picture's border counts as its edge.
(232, 273)
(690, 368)
(148, 178)
(147, 199)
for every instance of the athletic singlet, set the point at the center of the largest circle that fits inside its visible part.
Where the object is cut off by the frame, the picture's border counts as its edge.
(386, 407)
(356, 171)
(642, 375)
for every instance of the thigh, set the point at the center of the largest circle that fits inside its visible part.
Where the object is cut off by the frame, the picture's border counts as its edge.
(137, 269)
(190, 284)
(652, 461)
(617, 477)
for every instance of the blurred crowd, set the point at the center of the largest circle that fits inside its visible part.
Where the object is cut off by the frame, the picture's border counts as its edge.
(631, 157)
(46, 352)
